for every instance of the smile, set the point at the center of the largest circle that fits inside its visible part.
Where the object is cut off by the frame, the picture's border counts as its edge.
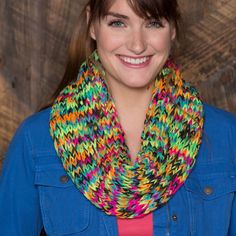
(141, 61)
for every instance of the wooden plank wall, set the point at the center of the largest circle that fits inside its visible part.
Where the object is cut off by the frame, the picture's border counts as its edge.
(208, 56)
(33, 40)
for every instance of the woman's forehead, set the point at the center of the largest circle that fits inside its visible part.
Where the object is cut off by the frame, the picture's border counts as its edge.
(144, 9)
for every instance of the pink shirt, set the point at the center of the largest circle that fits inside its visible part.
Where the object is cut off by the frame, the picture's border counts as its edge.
(136, 227)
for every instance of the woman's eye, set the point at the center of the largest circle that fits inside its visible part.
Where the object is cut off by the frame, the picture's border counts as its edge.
(116, 23)
(154, 24)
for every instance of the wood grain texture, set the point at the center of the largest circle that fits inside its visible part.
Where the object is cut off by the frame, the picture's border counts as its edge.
(208, 55)
(35, 34)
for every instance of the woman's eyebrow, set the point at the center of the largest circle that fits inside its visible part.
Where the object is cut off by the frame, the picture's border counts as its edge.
(110, 13)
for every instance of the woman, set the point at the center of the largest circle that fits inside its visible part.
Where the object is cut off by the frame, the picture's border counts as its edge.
(127, 147)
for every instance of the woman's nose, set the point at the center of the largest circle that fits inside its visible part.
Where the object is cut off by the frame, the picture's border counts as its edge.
(136, 42)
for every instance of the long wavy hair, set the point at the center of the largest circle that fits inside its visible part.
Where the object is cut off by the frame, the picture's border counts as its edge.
(82, 45)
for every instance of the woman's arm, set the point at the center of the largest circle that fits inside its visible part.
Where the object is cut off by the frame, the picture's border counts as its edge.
(19, 203)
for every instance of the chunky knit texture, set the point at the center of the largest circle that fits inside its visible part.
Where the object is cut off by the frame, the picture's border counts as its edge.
(91, 143)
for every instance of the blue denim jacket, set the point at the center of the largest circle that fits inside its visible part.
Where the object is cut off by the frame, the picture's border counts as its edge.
(36, 192)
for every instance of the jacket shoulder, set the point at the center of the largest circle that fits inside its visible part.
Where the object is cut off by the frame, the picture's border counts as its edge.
(219, 116)
(38, 120)
(37, 128)
(218, 138)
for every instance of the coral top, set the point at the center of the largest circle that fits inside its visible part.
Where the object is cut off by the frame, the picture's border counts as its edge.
(136, 227)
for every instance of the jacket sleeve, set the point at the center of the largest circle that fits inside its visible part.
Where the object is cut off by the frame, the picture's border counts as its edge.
(232, 229)
(19, 203)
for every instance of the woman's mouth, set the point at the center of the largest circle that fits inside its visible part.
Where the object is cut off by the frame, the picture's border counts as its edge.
(135, 62)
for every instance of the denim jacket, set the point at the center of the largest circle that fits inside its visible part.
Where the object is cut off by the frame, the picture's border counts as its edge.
(35, 191)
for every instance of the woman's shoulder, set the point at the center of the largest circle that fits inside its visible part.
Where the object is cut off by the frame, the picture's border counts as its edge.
(219, 125)
(218, 138)
(38, 119)
(218, 116)
(37, 124)
(36, 128)
(217, 153)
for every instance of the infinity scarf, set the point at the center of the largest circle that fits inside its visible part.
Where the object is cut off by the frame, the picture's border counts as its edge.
(90, 141)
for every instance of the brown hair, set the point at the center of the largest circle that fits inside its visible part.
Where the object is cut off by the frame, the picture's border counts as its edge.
(81, 44)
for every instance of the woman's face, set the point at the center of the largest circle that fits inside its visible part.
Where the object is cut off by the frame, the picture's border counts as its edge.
(132, 49)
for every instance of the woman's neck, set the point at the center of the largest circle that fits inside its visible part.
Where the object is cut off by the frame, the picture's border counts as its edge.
(130, 98)
(131, 105)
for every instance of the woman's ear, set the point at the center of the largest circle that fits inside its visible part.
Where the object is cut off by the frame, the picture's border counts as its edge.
(90, 24)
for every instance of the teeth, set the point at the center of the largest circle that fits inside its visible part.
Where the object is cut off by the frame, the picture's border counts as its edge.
(134, 61)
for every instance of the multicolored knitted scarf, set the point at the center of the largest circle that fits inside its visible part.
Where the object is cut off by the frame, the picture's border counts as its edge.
(90, 141)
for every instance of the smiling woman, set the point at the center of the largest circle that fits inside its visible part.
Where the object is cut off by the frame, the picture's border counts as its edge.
(132, 49)
(127, 147)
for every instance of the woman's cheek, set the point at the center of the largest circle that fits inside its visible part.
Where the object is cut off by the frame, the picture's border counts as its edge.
(161, 40)
(110, 43)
